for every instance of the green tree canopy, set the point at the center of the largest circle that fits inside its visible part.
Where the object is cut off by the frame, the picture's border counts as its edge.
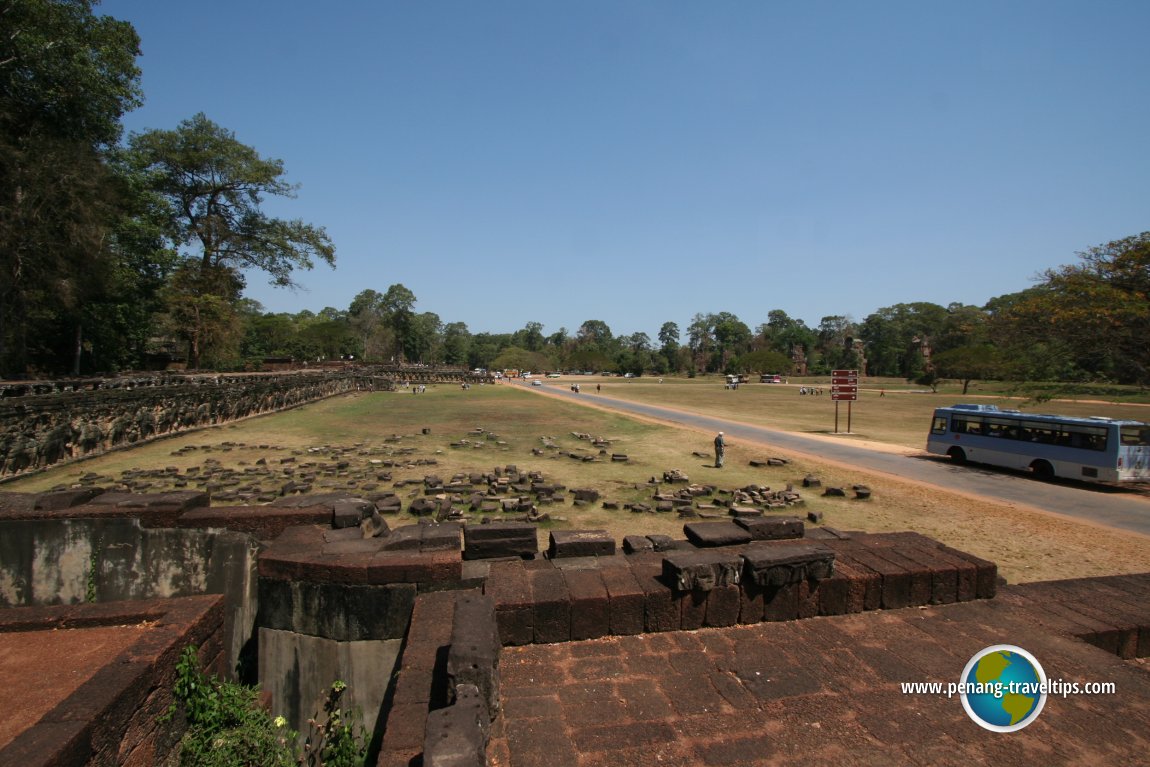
(214, 187)
(66, 78)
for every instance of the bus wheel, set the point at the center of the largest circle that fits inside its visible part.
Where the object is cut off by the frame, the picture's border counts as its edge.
(957, 454)
(1042, 469)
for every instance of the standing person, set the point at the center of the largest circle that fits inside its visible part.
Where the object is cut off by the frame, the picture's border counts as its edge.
(720, 449)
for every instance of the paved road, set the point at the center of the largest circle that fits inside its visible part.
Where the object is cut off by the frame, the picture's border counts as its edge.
(1108, 506)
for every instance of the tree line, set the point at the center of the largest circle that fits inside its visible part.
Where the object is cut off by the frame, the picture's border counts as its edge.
(128, 253)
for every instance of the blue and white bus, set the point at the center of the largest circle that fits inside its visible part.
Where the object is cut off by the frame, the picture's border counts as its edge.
(1088, 449)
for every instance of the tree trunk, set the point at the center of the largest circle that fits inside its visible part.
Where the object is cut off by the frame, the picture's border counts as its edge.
(78, 349)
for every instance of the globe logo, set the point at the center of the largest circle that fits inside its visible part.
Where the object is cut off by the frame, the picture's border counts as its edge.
(1003, 688)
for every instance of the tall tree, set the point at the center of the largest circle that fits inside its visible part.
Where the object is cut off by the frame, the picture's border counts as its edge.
(398, 308)
(595, 334)
(669, 345)
(66, 78)
(456, 343)
(1100, 308)
(215, 186)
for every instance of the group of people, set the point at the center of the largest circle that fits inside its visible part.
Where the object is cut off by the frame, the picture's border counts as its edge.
(816, 390)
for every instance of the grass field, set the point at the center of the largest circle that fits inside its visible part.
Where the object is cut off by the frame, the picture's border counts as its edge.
(888, 410)
(493, 426)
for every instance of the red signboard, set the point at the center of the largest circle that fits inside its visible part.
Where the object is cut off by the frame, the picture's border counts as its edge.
(845, 373)
(838, 396)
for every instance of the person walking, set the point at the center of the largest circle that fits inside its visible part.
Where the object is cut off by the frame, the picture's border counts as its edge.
(720, 449)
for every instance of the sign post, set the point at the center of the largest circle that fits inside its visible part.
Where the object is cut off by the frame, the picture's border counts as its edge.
(844, 386)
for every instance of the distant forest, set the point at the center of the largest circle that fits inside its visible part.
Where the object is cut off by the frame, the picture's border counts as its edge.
(120, 254)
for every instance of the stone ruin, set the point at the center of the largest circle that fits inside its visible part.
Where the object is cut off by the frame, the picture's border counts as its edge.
(43, 423)
(467, 640)
(431, 622)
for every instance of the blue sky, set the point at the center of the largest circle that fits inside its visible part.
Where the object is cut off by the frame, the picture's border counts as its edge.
(639, 162)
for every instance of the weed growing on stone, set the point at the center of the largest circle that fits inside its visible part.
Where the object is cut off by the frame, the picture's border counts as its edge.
(337, 739)
(228, 728)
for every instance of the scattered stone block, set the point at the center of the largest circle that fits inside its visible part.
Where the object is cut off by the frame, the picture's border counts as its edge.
(350, 512)
(744, 512)
(710, 534)
(500, 539)
(637, 543)
(375, 526)
(588, 495)
(580, 543)
(663, 542)
(772, 528)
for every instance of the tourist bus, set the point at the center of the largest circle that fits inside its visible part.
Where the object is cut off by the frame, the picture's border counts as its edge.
(1089, 449)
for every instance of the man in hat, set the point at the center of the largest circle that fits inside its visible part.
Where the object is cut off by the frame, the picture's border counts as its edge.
(720, 448)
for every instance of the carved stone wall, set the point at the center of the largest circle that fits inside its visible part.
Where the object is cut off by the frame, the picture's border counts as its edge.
(44, 423)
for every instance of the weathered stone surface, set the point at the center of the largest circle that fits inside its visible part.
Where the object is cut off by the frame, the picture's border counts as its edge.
(375, 526)
(709, 534)
(508, 586)
(65, 499)
(626, 598)
(663, 542)
(590, 495)
(590, 604)
(776, 566)
(473, 658)
(701, 570)
(341, 612)
(552, 605)
(457, 736)
(636, 543)
(350, 512)
(772, 528)
(500, 539)
(580, 543)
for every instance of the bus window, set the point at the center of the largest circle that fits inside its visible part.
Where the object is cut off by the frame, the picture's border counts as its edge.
(1001, 427)
(1039, 432)
(1085, 437)
(967, 425)
(939, 426)
(1135, 435)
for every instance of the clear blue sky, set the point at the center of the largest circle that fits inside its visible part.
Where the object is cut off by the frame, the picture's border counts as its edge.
(639, 162)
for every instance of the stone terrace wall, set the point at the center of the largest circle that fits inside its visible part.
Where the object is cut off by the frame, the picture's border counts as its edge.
(113, 717)
(44, 423)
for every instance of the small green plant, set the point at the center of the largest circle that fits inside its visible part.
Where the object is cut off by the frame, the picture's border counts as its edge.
(226, 725)
(92, 593)
(339, 740)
